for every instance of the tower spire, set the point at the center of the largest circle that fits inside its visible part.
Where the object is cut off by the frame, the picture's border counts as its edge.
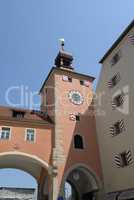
(63, 59)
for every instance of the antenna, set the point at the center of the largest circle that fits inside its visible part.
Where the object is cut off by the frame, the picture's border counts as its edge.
(62, 41)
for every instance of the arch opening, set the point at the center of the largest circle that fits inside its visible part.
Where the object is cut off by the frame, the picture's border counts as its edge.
(80, 184)
(17, 184)
(36, 168)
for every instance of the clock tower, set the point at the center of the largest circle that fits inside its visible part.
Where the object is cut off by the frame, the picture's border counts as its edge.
(67, 97)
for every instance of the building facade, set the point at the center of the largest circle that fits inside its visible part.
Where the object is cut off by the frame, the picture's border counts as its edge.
(58, 143)
(115, 92)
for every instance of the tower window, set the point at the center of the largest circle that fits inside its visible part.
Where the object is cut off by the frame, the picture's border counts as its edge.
(18, 114)
(85, 83)
(74, 117)
(116, 58)
(78, 142)
(5, 133)
(77, 117)
(66, 78)
(30, 135)
(81, 82)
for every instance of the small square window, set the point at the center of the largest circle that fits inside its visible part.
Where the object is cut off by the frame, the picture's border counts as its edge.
(30, 135)
(5, 133)
(69, 79)
(77, 117)
(66, 78)
(81, 82)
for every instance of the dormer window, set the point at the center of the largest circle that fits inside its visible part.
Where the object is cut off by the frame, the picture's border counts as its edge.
(18, 114)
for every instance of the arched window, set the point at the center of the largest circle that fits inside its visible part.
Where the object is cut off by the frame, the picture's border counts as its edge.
(78, 142)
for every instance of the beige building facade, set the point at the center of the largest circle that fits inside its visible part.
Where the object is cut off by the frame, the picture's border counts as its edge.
(115, 117)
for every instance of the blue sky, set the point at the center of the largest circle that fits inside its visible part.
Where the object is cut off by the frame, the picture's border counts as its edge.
(29, 33)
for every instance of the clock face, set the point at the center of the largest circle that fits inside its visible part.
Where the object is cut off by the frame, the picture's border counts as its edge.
(76, 97)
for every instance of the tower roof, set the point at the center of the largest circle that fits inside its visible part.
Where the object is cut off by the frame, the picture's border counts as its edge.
(64, 59)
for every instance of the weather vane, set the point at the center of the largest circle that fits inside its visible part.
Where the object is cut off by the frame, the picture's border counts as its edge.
(62, 41)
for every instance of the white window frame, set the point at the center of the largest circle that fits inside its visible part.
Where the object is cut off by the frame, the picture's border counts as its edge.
(9, 133)
(34, 141)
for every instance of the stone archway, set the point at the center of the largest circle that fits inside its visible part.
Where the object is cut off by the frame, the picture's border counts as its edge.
(81, 183)
(31, 164)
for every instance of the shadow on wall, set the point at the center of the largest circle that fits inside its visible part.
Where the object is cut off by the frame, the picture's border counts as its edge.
(82, 171)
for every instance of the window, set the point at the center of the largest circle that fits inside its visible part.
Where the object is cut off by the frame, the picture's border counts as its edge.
(114, 80)
(5, 133)
(69, 79)
(74, 117)
(30, 135)
(66, 78)
(77, 117)
(78, 142)
(131, 38)
(117, 128)
(124, 159)
(85, 83)
(118, 100)
(81, 82)
(18, 114)
(116, 58)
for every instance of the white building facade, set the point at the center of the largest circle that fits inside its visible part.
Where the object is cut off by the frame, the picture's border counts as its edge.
(115, 117)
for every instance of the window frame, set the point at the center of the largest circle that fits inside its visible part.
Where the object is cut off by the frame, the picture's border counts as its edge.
(5, 139)
(31, 141)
